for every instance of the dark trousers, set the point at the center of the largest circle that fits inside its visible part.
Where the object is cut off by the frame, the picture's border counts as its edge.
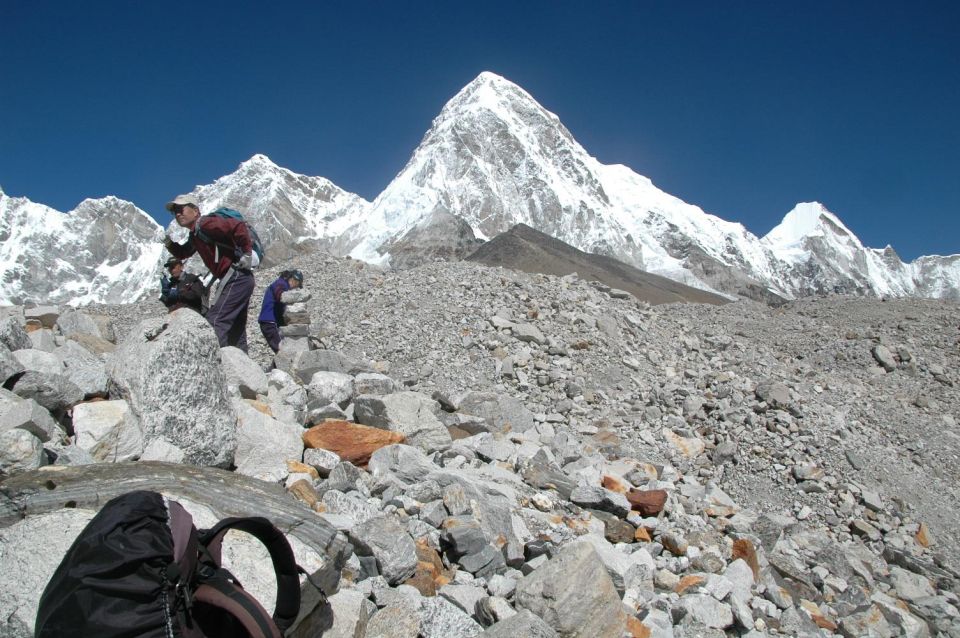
(228, 315)
(272, 334)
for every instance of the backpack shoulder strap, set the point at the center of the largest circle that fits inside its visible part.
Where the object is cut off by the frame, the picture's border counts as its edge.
(284, 565)
(222, 594)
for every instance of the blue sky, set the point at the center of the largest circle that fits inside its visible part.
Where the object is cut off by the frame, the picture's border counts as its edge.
(742, 108)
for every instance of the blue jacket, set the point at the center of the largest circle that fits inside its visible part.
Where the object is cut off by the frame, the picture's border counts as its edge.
(272, 309)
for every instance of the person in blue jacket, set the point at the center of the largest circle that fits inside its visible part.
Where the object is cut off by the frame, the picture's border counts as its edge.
(271, 313)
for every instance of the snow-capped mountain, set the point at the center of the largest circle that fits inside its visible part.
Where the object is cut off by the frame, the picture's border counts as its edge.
(105, 250)
(291, 212)
(493, 158)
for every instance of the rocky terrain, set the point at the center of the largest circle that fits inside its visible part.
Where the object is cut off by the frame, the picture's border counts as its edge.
(508, 453)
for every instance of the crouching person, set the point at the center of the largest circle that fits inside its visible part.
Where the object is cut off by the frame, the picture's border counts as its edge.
(271, 312)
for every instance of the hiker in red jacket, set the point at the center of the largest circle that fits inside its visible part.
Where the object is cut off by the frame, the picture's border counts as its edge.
(226, 249)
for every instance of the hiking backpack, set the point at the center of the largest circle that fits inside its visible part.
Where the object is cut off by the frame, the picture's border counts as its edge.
(229, 213)
(141, 568)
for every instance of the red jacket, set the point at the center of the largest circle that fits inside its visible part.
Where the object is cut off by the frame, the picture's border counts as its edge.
(221, 230)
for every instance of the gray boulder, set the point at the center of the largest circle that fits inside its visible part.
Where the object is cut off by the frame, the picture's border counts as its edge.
(45, 315)
(20, 451)
(386, 540)
(439, 618)
(330, 387)
(39, 361)
(397, 620)
(73, 322)
(53, 391)
(9, 365)
(27, 414)
(373, 383)
(410, 413)
(503, 413)
(307, 363)
(108, 431)
(524, 623)
(264, 444)
(243, 373)
(84, 369)
(574, 594)
(169, 372)
(404, 462)
(13, 335)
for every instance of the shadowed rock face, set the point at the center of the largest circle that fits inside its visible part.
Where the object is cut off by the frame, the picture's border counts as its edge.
(526, 249)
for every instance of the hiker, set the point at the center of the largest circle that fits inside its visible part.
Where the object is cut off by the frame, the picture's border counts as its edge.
(180, 289)
(226, 248)
(271, 313)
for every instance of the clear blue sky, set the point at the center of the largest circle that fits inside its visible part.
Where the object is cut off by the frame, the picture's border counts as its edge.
(743, 108)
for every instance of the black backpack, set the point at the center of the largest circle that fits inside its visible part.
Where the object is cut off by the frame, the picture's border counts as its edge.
(140, 568)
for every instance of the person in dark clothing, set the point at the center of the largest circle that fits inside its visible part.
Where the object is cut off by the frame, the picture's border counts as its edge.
(180, 289)
(271, 312)
(233, 282)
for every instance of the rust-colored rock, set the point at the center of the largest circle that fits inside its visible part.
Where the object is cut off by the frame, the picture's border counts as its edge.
(430, 574)
(647, 502)
(613, 484)
(642, 535)
(637, 629)
(743, 548)
(303, 491)
(350, 441)
(688, 582)
(923, 536)
(296, 467)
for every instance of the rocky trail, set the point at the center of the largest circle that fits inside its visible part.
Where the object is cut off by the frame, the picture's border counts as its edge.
(504, 453)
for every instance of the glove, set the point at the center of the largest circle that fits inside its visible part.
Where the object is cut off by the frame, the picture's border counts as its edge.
(168, 243)
(245, 262)
(165, 285)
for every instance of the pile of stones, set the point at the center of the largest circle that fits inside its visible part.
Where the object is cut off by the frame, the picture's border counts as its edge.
(538, 456)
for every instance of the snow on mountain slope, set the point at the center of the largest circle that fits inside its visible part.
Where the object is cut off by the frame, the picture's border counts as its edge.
(105, 250)
(290, 211)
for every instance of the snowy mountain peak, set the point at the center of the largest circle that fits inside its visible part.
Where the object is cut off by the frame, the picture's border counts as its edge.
(259, 161)
(807, 219)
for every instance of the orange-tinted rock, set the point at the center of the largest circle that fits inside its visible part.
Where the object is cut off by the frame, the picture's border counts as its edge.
(637, 629)
(430, 574)
(613, 484)
(687, 582)
(350, 441)
(296, 467)
(743, 548)
(303, 491)
(642, 535)
(923, 536)
(261, 407)
(647, 502)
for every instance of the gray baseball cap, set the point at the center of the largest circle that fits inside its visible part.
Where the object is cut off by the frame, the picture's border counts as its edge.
(183, 200)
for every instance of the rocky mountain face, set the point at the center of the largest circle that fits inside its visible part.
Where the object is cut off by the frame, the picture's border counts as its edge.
(494, 158)
(486, 452)
(105, 250)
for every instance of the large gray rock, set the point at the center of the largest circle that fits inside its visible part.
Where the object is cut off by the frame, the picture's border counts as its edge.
(264, 444)
(307, 363)
(707, 610)
(169, 372)
(13, 335)
(55, 392)
(598, 498)
(108, 431)
(39, 361)
(387, 541)
(503, 413)
(9, 365)
(287, 398)
(634, 570)
(404, 462)
(330, 387)
(30, 551)
(44, 314)
(20, 451)
(524, 623)
(43, 339)
(27, 414)
(84, 369)
(574, 594)
(373, 383)
(439, 618)
(243, 373)
(73, 322)
(397, 620)
(410, 413)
